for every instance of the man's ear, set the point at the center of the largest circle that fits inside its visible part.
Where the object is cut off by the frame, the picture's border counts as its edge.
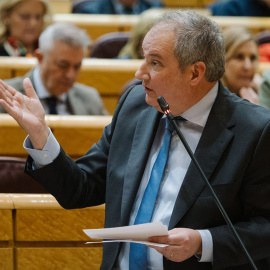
(39, 55)
(198, 72)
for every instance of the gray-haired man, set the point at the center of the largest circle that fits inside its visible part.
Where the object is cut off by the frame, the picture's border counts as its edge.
(62, 47)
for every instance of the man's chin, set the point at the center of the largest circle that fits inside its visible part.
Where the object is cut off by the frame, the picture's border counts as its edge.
(61, 90)
(152, 102)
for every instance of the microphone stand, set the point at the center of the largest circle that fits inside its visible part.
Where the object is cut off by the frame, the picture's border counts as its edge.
(165, 108)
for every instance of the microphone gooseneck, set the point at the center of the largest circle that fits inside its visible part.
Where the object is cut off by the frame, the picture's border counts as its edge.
(166, 109)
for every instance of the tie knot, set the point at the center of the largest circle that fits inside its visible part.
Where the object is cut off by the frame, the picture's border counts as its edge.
(169, 125)
(51, 101)
(128, 10)
(180, 118)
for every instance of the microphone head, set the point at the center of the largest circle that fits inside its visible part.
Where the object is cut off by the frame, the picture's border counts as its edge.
(163, 104)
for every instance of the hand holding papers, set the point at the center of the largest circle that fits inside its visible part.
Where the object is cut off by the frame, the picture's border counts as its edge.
(136, 233)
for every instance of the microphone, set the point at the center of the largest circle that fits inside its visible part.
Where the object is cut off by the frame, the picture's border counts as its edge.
(165, 108)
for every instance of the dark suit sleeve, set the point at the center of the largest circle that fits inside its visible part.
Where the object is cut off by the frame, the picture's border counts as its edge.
(254, 229)
(82, 183)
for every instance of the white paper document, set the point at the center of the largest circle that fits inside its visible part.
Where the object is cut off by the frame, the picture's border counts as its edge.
(135, 233)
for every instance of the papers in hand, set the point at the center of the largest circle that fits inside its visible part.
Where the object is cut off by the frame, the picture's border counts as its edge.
(135, 233)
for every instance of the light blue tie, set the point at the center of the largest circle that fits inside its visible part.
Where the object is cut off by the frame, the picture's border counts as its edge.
(138, 252)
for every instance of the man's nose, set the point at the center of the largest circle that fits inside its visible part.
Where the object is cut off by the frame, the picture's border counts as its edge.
(142, 72)
(71, 74)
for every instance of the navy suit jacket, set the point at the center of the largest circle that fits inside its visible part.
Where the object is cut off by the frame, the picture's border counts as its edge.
(253, 8)
(107, 7)
(234, 153)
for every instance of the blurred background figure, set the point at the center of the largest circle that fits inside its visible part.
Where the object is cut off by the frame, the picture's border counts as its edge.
(62, 47)
(256, 8)
(264, 92)
(21, 22)
(263, 39)
(114, 6)
(241, 63)
(133, 48)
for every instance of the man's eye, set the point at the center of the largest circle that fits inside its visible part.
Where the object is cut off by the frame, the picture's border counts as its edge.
(62, 66)
(25, 16)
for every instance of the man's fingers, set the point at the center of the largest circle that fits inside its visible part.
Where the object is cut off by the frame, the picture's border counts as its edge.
(7, 88)
(29, 89)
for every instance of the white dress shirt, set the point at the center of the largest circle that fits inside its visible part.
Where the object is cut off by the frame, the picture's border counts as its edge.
(177, 166)
(175, 171)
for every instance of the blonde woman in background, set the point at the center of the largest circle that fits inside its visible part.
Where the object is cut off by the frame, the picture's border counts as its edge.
(21, 22)
(133, 48)
(241, 63)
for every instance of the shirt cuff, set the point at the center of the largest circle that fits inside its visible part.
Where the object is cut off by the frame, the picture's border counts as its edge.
(45, 156)
(207, 246)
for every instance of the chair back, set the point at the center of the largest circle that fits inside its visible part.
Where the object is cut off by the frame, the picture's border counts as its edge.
(14, 180)
(109, 45)
(263, 37)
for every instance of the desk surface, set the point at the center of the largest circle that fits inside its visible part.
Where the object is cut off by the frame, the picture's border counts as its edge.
(96, 24)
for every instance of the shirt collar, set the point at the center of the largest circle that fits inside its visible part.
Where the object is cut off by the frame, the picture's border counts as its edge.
(199, 112)
(41, 90)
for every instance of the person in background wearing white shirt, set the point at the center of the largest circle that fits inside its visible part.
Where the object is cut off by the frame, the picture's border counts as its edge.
(184, 60)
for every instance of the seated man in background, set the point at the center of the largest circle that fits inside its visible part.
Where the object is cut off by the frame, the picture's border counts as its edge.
(116, 6)
(62, 47)
(253, 8)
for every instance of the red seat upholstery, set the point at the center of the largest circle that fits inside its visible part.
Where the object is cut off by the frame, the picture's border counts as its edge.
(109, 45)
(14, 180)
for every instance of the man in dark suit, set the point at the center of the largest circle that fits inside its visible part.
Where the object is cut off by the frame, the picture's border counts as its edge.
(115, 6)
(230, 138)
(62, 47)
(251, 8)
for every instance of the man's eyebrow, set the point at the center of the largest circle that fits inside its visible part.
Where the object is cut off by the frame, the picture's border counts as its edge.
(156, 55)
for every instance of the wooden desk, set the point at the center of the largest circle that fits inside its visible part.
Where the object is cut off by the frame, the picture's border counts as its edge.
(254, 24)
(97, 25)
(61, 6)
(187, 3)
(43, 235)
(108, 76)
(65, 6)
(84, 131)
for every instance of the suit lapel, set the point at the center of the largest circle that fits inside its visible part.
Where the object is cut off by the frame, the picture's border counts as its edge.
(31, 77)
(214, 140)
(143, 138)
(75, 104)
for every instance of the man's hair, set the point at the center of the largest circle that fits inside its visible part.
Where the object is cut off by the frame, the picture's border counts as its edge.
(198, 38)
(67, 33)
